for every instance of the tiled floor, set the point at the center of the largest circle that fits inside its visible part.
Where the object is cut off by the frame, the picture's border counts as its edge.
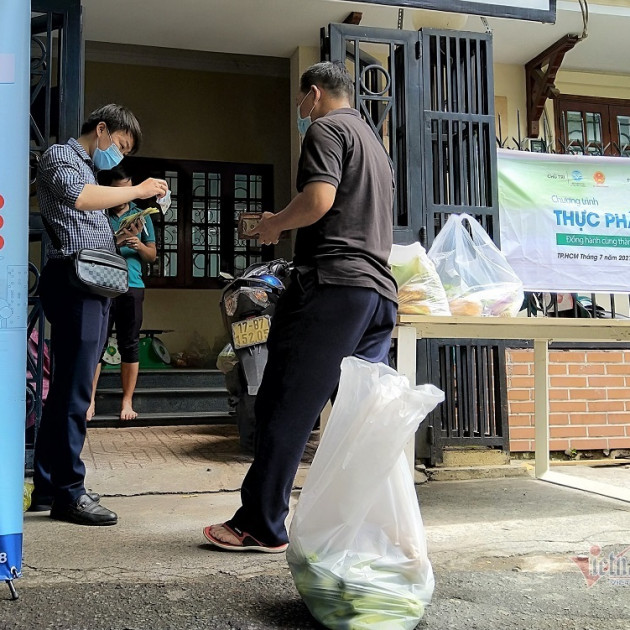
(138, 460)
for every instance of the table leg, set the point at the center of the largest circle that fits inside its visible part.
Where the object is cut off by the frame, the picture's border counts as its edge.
(541, 405)
(406, 362)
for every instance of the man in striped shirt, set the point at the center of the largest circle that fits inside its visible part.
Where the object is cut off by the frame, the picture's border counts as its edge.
(72, 206)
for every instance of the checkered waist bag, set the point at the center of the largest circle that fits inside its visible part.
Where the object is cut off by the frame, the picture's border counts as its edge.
(99, 271)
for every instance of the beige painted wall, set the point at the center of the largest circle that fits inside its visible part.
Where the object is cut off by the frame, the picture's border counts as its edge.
(602, 85)
(191, 114)
(509, 90)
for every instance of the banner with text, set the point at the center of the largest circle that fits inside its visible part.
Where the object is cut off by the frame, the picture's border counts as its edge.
(565, 221)
(14, 119)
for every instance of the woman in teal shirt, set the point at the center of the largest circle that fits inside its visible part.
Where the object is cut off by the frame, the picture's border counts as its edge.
(126, 310)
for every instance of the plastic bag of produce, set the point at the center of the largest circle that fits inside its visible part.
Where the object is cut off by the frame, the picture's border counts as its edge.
(357, 550)
(227, 360)
(420, 291)
(476, 276)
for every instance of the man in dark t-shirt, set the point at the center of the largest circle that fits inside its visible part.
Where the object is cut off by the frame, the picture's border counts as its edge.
(341, 301)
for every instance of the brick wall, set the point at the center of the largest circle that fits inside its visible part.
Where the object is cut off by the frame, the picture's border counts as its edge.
(589, 399)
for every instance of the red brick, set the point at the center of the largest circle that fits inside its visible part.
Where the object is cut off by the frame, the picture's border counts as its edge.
(557, 369)
(618, 368)
(521, 356)
(588, 418)
(588, 393)
(558, 445)
(521, 446)
(589, 444)
(521, 421)
(558, 419)
(618, 418)
(606, 405)
(567, 356)
(522, 433)
(557, 394)
(607, 381)
(568, 381)
(519, 369)
(524, 382)
(619, 442)
(572, 406)
(587, 368)
(617, 394)
(567, 432)
(605, 356)
(605, 431)
(520, 394)
(516, 407)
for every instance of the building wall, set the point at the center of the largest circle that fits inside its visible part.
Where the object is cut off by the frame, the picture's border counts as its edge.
(199, 115)
(509, 102)
(589, 397)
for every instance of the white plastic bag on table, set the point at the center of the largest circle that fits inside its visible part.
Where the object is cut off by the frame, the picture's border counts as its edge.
(477, 277)
(357, 550)
(420, 291)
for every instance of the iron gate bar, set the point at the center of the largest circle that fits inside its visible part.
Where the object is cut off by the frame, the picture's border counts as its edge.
(439, 113)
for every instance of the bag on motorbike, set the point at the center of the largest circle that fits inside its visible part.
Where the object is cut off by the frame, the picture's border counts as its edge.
(357, 550)
(227, 361)
(420, 291)
(476, 276)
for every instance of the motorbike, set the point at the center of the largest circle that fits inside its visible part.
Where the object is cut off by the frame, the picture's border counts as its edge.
(247, 307)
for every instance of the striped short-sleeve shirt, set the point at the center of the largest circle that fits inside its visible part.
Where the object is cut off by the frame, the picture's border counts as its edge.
(63, 172)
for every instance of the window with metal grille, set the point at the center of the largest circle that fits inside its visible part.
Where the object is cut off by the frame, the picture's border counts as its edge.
(197, 237)
(593, 126)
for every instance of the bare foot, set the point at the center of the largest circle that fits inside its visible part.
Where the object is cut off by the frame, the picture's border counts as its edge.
(90, 412)
(127, 412)
(224, 535)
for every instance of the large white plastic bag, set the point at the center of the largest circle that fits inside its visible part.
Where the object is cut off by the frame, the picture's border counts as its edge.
(420, 291)
(477, 277)
(357, 550)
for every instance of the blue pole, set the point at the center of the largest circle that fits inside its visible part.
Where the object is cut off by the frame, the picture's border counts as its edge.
(14, 145)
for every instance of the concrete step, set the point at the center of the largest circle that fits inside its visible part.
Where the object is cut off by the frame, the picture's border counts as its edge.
(466, 456)
(165, 378)
(462, 473)
(163, 419)
(171, 400)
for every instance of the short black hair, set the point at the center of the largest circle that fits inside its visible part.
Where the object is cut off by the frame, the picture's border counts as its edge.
(117, 118)
(331, 76)
(107, 178)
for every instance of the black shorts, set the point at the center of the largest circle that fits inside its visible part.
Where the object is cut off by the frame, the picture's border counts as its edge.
(125, 316)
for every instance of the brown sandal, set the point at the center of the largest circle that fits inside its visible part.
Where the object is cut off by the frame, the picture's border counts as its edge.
(248, 542)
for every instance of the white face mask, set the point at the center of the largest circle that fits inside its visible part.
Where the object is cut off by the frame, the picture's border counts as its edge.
(304, 123)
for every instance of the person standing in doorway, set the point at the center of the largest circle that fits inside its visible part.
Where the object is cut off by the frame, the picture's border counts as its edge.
(126, 310)
(342, 300)
(72, 206)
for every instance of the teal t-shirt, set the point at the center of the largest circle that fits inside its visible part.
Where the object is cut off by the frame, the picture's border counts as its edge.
(147, 235)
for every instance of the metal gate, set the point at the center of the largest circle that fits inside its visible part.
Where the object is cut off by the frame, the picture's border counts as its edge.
(429, 96)
(56, 111)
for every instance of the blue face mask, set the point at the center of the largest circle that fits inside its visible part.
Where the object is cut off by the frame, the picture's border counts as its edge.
(304, 123)
(109, 158)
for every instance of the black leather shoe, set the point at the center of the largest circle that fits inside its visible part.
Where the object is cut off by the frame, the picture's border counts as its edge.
(43, 504)
(84, 511)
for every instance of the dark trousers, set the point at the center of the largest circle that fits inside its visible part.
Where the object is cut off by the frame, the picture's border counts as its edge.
(314, 328)
(126, 316)
(78, 325)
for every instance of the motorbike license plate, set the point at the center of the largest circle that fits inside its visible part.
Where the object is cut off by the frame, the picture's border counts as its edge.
(250, 332)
